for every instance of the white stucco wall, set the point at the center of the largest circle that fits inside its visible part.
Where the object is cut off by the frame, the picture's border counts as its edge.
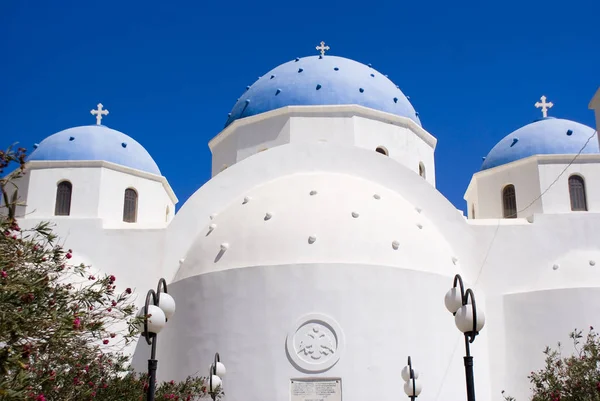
(349, 125)
(557, 198)
(351, 220)
(554, 252)
(532, 177)
(233, 184)
(261, 267)
(98, 192)
(523, 174)
(152, 198)
(385, 314)
(85, 197)
(401, 143)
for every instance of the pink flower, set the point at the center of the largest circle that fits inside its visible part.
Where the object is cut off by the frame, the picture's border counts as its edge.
(128, 290)
(109, 309)
(40, 398)
(76, 323)
(3, 274)
(68, 256)
(105, 342)
(112, 278)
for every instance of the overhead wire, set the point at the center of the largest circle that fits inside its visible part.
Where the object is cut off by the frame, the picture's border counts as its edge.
(493, 240)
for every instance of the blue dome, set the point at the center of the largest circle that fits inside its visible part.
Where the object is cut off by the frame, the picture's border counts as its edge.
(329, 80)
(548, 136)
(95, 142)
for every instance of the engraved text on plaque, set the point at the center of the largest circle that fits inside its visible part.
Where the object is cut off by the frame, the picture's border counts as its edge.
(316, 390)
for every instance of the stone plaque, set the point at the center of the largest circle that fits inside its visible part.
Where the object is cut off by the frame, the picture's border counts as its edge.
(316, 390)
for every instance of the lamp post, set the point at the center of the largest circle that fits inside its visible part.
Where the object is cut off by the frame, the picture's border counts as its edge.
(468, 320)
(216, 373)
(412, 387)
(158, 309)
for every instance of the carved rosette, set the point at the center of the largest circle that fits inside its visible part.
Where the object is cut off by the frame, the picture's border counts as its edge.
(315, 343)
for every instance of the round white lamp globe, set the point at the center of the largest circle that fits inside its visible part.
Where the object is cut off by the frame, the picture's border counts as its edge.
(167, 304)
(464, 319)
(408, 388)
(453, 300)
(216, 383)
(221, 371)
(156, 319)
(406, 373)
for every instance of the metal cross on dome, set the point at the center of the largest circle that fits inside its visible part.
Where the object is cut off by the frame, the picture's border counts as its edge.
(322, 48)
(99, 113)
(544, 106)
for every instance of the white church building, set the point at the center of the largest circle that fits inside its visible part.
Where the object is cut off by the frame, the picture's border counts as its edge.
(321, 250)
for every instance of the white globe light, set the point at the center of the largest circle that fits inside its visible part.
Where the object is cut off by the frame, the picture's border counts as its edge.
(453, 300)
(221, 371)
(216, 383)
(408, 388)
(167, 304)
(156, 319)
(406, 373)
(464, 319)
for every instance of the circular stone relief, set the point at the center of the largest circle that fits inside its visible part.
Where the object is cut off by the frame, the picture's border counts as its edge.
(315, 343)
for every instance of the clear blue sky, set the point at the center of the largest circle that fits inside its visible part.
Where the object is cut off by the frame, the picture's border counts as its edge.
(169, 72)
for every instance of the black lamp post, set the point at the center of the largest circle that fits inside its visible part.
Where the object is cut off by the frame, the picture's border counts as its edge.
(468, 320)
(412, 387)
(158, 308)
(215, 377)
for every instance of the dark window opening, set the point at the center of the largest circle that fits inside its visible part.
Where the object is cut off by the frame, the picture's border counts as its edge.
(130, 206)
(64, 191)
(509, 202)
(577, 193)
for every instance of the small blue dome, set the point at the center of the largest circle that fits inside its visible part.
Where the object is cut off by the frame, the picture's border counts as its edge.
(95, 142)
(548, 136)
(327, 80)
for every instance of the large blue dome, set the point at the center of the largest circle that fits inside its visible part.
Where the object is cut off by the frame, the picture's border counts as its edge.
(548, 136)
(327, 80)
(95, 142)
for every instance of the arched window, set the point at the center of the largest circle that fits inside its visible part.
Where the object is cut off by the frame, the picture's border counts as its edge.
(382, 150)
(422, 169)
(130, 206)
(64, 190)
(577, 193)
(509, 202)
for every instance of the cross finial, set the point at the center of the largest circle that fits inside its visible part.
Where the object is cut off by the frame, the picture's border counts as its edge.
(99, 113)
(544, 106)
(322, 48)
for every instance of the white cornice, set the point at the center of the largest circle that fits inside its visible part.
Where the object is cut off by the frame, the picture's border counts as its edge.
(331, 110)
(45, 164)
(542, 159)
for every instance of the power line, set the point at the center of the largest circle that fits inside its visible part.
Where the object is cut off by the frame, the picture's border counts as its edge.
(493, 240)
